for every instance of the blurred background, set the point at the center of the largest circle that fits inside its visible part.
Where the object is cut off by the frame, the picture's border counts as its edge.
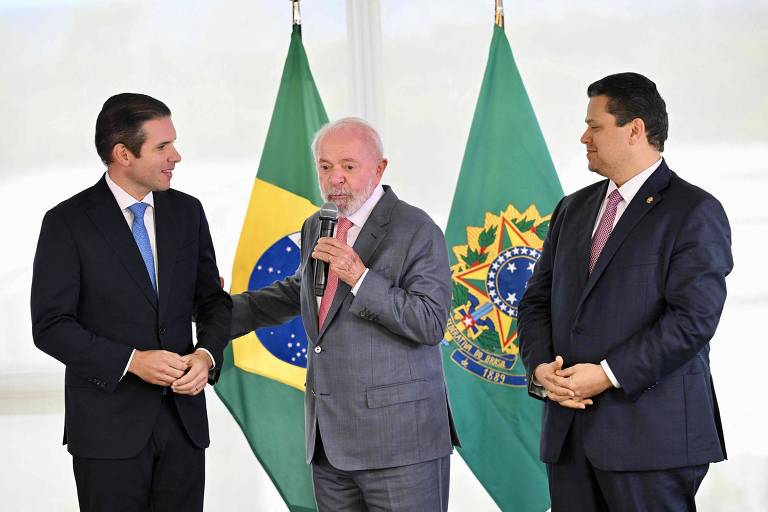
(414, 70)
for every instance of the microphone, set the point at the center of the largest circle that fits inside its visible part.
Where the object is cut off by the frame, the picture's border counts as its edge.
(329, 215)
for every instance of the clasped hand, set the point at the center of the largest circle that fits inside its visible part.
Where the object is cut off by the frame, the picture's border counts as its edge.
(342, 259)
(185, 375)
(574, 386)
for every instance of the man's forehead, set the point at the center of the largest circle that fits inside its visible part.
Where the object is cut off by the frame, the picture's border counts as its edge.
(344, 143)
(343, 135)
(597, 107)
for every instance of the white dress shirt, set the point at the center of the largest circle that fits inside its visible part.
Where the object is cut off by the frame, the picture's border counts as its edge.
(627, 191)
(125, 201)
(358, 219)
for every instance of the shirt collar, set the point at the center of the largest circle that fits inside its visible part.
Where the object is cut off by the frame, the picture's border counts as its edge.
(361, 215)
(123, 198)
(629, 189)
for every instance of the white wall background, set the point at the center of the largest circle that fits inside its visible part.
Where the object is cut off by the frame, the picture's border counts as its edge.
(218, 64)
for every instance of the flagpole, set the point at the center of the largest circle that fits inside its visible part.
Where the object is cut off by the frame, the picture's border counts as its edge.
(500, 13)
(296, 14)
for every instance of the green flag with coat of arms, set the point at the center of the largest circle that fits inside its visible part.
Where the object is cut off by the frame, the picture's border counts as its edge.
(499, 218)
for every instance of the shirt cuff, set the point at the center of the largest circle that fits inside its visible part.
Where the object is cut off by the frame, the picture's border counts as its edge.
(536, 388)
(209, 355)
(359, 282)
(609, 373)
(128, 365)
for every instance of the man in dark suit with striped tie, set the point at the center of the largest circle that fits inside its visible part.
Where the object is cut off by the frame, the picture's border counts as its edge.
(119, 272)
(616, 321)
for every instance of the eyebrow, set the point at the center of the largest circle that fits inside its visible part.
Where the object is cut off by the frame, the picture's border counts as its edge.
(342, 160)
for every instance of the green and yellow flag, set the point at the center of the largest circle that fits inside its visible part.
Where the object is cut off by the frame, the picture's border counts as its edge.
(500, 214)
(263, 376)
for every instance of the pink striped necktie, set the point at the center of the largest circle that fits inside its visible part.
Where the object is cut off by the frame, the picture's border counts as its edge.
(333, 278)
(604, 228)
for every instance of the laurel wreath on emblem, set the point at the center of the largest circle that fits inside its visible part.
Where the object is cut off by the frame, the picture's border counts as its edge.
(489, 279)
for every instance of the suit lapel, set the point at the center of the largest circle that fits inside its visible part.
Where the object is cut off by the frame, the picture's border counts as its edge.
(586, 225)
(167, 247)
(646, 199)
(110, 222)
(373, 232)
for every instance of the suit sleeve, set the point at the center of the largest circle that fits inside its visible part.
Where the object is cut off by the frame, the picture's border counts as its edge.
(694, 293)
(417, 308)
(54, 305)
(534, 325)
(213, 306)
(271, 305)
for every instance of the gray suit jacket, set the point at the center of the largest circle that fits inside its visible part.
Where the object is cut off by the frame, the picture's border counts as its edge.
(375, 384)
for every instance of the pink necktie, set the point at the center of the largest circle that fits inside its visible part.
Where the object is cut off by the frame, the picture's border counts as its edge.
(333, 278)
(604, 228)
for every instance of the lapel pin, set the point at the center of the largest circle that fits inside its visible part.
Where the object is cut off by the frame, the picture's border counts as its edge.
(649, 199)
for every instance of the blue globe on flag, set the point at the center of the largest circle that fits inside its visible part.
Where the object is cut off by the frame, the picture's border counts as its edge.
(287, 342)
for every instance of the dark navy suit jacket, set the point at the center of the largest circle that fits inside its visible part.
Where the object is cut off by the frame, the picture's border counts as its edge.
(93, 303)
(650, 308)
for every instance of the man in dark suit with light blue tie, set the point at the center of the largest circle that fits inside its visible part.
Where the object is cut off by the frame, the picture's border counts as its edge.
(616, 321)
(119, 272)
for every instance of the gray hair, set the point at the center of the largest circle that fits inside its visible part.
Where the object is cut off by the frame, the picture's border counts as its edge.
(368, 133)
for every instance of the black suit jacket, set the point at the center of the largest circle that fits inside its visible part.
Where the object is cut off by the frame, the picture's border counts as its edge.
(93, 303)
(649, 308)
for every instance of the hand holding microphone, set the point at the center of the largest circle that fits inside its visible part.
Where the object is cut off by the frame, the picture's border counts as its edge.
(334, 255)
(329, 215)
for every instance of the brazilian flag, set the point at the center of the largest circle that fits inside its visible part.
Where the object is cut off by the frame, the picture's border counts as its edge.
(263, 375)
(499, 218)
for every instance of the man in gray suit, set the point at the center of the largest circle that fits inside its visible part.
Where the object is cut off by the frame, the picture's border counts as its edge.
(378, 426)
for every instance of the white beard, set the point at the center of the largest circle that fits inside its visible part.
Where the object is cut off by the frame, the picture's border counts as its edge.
(355, 200)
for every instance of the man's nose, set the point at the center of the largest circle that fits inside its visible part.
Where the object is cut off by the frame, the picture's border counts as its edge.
(585, 137)
(337, 177)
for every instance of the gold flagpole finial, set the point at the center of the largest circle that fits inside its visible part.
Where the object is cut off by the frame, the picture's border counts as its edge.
(296, 12)
(500, 13)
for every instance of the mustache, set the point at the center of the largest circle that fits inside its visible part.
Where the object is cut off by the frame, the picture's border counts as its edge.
(338, 192)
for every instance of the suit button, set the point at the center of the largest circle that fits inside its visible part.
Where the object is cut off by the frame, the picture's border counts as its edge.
(313, 392)
(577, 330)
(318, 349)
(163, 330)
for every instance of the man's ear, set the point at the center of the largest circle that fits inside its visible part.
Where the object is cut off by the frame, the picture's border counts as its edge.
(121, 155)
(637, 131)
(381, 166)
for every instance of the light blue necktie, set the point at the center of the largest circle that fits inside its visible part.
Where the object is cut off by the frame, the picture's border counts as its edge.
(142, 239)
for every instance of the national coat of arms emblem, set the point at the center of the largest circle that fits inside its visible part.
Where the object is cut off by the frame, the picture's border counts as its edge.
(489, 280)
